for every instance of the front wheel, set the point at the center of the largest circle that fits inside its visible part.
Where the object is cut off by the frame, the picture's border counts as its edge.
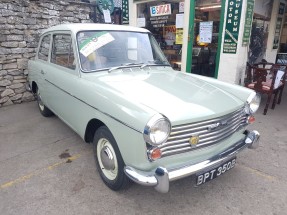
(43, 109)
(109, 161)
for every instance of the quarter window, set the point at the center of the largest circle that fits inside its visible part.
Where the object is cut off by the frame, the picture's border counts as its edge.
(62, 51)
(44, 48)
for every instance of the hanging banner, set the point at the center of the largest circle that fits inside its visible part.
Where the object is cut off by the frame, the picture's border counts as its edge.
(248, 22)
(232, 26)
(125, 8)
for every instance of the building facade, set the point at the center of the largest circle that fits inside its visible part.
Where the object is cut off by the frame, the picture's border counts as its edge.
(214, 38)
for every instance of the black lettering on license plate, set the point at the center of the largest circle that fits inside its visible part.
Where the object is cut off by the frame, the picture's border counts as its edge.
(213, 173)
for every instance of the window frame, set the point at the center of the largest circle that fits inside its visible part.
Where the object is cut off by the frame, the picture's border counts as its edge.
(39, 47)
(67, 33)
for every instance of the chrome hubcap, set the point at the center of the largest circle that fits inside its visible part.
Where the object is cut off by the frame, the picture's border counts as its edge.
(107, 159)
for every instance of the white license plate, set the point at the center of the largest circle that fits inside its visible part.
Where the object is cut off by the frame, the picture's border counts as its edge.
(202, 178)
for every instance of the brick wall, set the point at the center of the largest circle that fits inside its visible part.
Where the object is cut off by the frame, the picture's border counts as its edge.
(21, 23)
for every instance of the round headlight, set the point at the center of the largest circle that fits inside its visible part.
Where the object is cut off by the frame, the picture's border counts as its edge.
(254, 102)
(157, 130)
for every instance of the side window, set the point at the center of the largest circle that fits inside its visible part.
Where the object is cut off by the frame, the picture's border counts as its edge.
(62, 51)
(44, 48)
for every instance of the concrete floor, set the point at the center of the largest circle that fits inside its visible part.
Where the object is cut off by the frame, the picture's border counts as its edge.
(45, 168)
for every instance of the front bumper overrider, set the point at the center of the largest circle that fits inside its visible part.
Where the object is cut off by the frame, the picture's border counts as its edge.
(160, 178)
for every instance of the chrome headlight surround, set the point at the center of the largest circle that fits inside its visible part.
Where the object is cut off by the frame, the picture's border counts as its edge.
(253, 102)
(157, 130)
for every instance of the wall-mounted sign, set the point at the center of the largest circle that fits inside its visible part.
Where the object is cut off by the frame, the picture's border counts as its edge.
(125, 8)
(205, 32)
(232, 26)
(160, 10)
(248, 22)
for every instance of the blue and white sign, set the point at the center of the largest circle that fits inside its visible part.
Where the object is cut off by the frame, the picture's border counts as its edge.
(160, 10)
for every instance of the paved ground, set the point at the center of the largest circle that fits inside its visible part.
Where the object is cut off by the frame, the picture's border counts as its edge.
(37, 177)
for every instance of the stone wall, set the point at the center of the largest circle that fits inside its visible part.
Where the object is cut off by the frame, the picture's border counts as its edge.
(21, 23)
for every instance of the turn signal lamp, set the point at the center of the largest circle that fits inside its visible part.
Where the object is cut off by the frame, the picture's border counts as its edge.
(154, 154)
(251, 119)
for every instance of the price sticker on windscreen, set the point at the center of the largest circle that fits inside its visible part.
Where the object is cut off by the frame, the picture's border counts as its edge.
(95, 42)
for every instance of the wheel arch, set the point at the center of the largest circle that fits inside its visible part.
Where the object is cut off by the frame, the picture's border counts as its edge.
(91, 128)
(34, 87)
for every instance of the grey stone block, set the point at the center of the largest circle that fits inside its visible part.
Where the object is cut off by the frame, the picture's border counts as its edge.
(3, 5)
(14, 7)
(3, 72)
(22, 44)
(16, 86)
(5, 51)
(4, 32)
(9, 102)
(29, 21)
(4, 99)
(8, 77)
(10, 44)
(16, 31)
(7, 92)
(16, 97)
(20, 90)
(21, 27)
(10, 66)
(27, 96)
(15, 37)
(4, 83)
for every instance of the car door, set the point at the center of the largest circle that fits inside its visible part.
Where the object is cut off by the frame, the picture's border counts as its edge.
(62, 77)
(39, 65)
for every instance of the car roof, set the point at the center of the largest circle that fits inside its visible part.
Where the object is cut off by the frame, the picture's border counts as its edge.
(76, 27)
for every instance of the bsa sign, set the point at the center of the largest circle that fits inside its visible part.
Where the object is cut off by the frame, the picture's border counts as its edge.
(160, 10)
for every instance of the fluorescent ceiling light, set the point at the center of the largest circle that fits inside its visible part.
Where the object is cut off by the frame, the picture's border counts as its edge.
(209, 7)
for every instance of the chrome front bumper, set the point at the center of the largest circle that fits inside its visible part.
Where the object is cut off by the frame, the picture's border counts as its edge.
(160, 178)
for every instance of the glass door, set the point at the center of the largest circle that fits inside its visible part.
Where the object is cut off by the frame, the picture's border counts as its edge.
(205, 41)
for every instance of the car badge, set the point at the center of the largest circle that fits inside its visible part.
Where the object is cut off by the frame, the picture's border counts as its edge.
(216, 125)
(194, 140)
(213, 126)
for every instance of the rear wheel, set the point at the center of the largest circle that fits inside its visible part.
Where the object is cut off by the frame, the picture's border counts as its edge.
(43, 109)
(108, 159)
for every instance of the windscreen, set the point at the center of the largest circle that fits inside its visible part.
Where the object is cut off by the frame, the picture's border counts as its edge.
(100, 50)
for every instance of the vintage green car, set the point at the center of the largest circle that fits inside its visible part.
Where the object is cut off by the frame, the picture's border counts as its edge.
(148, 123)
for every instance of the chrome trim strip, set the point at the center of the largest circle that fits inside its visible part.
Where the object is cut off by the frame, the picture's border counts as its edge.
(93, 107)
(180, 127)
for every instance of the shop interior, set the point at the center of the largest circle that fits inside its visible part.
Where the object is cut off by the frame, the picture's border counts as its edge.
(206, 32)
(168, 32)
(164, 27)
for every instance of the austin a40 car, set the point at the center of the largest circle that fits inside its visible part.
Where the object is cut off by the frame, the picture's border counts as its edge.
(148, 123)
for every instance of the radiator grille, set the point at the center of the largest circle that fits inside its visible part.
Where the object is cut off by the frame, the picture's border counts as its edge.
(209, 132)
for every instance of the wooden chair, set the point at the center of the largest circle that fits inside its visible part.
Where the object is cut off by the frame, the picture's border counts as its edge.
(266, 78)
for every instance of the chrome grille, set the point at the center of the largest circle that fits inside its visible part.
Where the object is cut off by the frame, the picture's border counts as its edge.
(210, 132)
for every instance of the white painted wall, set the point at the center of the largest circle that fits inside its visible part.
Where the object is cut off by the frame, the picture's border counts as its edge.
(232, 66)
